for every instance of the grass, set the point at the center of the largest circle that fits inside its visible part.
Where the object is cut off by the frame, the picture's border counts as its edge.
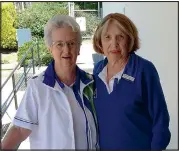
(9, 58)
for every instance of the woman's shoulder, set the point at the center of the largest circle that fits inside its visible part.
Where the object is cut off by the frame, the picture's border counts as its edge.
(146, 65)
(99, 66)
(36, 79)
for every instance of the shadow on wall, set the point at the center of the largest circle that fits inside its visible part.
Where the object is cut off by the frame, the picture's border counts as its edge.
(97, 57)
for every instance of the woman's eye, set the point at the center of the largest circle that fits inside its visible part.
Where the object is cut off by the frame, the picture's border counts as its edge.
(60, 44)
(72, 43)
(107, 37)
(121, 36)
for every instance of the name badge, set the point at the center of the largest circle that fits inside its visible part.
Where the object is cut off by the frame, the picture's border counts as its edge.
(127, 77)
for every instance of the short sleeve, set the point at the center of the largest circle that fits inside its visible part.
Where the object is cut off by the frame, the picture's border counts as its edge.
(27, 113)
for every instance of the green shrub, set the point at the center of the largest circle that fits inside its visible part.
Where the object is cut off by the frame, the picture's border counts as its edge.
(8, 32)
(45, 56)
(22, 50)
(36, 16)
(46, 59)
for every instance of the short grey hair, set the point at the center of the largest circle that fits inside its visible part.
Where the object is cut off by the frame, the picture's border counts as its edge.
(59, 21)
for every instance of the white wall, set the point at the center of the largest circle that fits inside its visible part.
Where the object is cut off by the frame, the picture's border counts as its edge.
(157, 23)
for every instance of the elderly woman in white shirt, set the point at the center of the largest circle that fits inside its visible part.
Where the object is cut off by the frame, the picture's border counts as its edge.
(57, 110)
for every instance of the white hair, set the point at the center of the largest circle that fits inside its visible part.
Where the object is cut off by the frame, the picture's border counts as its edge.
(59, 21)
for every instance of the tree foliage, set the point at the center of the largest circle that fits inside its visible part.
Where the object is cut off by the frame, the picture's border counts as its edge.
(87, 5)
(8, 32)
(36, 16)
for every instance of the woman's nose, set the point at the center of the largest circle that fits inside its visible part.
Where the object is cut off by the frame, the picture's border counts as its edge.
(66, 47)
(115, 42)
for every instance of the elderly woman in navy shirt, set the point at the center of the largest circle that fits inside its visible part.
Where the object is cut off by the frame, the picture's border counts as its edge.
(129, 101)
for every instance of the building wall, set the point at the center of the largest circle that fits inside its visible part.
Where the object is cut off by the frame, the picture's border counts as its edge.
(157, 23)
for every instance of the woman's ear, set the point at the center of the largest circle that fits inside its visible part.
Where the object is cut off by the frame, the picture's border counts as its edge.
(101, 49)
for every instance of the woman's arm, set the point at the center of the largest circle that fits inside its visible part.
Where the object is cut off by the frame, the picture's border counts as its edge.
(14, 137)
(157, 108)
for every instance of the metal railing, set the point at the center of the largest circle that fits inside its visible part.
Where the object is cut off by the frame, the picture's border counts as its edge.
(16, 85)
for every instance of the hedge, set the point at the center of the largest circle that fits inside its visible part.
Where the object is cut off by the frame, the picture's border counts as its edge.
(45, 56)
(8, 32)
(36, 16)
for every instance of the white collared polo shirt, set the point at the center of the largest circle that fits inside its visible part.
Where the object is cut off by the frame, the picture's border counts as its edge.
(103, 76)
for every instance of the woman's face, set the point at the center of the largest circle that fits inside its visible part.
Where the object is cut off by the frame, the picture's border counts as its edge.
(65, 47)
(114, 42)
